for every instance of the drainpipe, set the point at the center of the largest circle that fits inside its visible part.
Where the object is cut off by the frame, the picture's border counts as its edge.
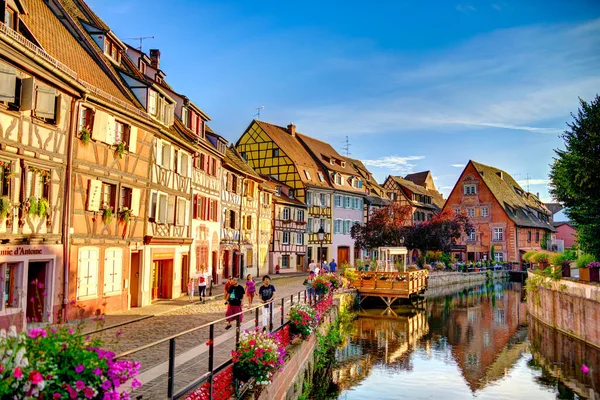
(240, 230)
(66, 226)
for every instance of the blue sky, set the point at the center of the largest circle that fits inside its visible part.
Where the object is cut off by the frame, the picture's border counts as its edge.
(415, 85)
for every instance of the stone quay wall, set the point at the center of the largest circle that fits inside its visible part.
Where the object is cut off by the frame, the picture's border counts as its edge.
(569, 306)
(437, 279)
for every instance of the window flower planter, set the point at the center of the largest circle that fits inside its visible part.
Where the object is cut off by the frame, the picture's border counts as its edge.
(125, 215)
(85, 135)
(4, 207)
(591, 273)
(120, 148)
(107, 214)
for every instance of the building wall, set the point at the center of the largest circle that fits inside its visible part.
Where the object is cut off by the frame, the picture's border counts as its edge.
(342, 238)
(295, 249)
(568, 234)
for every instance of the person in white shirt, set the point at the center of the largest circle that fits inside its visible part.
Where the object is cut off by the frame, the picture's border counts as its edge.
(202, 280)
(317, 270)
(312, 266)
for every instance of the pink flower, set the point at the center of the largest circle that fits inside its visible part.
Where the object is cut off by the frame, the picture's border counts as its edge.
(585, 369)
(97, 372)
(71, 330)
(18, 373)
(79, 369)
(106, 385)
(79, 384)
(40, 285)
(57, 396)
(135, 383)
(88, 392)
(35, 377)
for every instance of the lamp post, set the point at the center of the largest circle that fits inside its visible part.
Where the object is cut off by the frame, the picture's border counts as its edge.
(321, 237)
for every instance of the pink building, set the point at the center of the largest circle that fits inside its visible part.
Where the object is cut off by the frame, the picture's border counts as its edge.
(566, 232)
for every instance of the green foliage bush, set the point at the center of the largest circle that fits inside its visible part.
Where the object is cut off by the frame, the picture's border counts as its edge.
(584, 260)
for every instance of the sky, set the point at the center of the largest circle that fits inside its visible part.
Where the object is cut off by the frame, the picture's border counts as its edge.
(414, 85)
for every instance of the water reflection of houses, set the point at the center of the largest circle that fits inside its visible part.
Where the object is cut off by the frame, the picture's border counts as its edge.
(482, 326)
(379, 339)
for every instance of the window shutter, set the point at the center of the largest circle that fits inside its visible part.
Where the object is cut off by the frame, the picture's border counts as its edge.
(159, 151)
(167, 150)
(94, 195)
(110, 129)
(135, 201)
(195, 207)
(327, 226)
(195, 162)
(133, 132)
(8, 82)
(206, 209)
(162, 208)
(206, 167)
(45, 102)
(192, 118)
(171, 112)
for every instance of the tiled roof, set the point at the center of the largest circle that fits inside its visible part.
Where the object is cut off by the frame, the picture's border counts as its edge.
(301, 158)
(437, 200)
(57, 41)
(521, 208)
(282, 197)
(419, 178)
(376, 191)
(318, 148)
(234, 161)
(556, 224)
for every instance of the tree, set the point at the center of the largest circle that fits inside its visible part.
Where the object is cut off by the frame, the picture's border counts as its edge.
(385, 227)
(574, 175)
(440, 233)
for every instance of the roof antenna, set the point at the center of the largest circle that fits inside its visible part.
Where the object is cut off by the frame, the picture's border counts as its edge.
(527, 182)
(141, 39)
(257, 115)
(346, 146)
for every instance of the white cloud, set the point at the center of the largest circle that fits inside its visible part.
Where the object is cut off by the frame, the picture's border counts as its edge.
(458, 165)
(465, 8)
(533, 182)
(394, 163)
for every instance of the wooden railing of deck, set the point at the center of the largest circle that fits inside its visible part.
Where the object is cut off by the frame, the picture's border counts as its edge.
(406, 283)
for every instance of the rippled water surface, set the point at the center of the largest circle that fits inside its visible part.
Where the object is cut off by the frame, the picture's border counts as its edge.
(461, 343)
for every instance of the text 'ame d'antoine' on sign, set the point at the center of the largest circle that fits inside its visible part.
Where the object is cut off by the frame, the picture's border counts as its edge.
(20, 251)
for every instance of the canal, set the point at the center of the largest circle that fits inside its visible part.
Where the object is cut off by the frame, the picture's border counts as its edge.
(461, 343)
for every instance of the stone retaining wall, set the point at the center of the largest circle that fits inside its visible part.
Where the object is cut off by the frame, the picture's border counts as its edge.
(569, 306)
(449, 278)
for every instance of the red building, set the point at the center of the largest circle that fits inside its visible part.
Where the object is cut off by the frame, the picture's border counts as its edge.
(505, 217)
(566, 233)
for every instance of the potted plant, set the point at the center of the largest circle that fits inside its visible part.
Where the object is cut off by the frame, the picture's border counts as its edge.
(125, 215)
(32, 207)
(85, 135)
(321, 284)
(258, 356)
(120, 148)
(43, 207)
(107, 214)
(302, 319)
(558, 261)
(4, 207)
(542, 259)
(588, 268)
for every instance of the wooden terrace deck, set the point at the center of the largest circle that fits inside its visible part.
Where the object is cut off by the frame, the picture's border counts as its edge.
(390, 286)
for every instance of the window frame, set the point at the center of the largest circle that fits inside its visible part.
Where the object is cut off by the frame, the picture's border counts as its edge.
(285, 241)
(469, 189)
(498, 234)
(89, 294)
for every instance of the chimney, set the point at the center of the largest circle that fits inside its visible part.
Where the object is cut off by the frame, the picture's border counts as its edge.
(292, 129)
(155, 58)
(537, 195)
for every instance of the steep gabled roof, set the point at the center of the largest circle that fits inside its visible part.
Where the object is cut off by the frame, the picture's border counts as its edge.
(58, 42)
(301, 158)
(375, 190)
(522, 207)
(437, 200)
(234, 161)
(418, 178)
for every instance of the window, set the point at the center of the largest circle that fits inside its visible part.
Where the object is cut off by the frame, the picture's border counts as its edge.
(285, 214)
(86, 118)
(291, 193)
(457, 211)
(484, 212)
(163, 204)
(125, 198)
(248, 222)
(337, 201)
(10, 287)
(499, 257)
(537, 236)
(347, 225)
(107, 195)
(309, 225)
(331, 161)
(323, 198)
(472, 237)
(171, 202)
(300, 239)
(357, 205)
(300, 215)
(285, 238)
(163, 154)
(182, 212)
(321, 176)
(41, 99)
(87, 272)
(470, 189)
(337, 178)
(347, 202)
(111, 49)
(214, 210)
(337, 226)
(5, 172)
(498, 234)
(113, 270)
(185, 117)
(122, 133)
(10, 18)
(152, 102)
(275, 152)
(357, 183)
(307, 175)
(285, 262)
(309, 198)
(244, 155)
(393, 196)
(471, 212)
(184, 162)
(529, 236)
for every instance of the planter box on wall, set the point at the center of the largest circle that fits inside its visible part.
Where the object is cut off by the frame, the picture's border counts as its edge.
(589, 274)
(566, 270)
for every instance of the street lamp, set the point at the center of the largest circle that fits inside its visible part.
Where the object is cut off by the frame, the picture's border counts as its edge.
(321, 237)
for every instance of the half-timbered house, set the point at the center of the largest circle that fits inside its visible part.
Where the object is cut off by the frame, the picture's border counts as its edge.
(277, 152)
(417, 191)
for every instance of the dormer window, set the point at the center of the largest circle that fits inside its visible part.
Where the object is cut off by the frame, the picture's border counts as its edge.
(357, 183)
(518, 191)
(278, 191)
(307, 174)
(337, 178)
(142, 67)
(331, 161)
(184, 116)
(343, 163)
(291, 193)
(112, 50)
(321, 177)
(10, 18)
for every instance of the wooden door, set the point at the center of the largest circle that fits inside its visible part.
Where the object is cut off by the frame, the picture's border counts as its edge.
(343, 255)
(300, 263)
(134, 278)
(155, 279)
(185, 273)
(215, 263)
(236, 264)
(36, 287)
(165, 278)
(226, 264)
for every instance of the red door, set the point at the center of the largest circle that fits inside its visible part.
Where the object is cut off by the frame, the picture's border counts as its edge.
(226, 264)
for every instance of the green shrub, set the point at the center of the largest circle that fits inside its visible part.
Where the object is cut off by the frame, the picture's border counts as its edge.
(584, 260)
(558, 259)
(541, 258)
(529, 256)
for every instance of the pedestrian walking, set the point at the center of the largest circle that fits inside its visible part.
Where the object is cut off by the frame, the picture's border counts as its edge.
(234, 302)
(250, 289)
(332, 266)
(310, 290)
(191, 290)
(202, 286)
(312, 266)
(267, 295)
(324, 267)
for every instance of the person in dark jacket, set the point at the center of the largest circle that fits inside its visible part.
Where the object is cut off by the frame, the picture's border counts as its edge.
(234, 302)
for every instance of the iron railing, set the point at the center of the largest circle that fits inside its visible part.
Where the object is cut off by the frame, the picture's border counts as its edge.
(187, 366)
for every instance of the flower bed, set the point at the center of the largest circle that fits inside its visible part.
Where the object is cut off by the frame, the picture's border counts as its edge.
(56, 363)
(223, 387)
(303, 319)
(258, 356)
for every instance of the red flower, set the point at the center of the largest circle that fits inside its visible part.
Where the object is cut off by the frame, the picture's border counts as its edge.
(18, 373)
(35, 377)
